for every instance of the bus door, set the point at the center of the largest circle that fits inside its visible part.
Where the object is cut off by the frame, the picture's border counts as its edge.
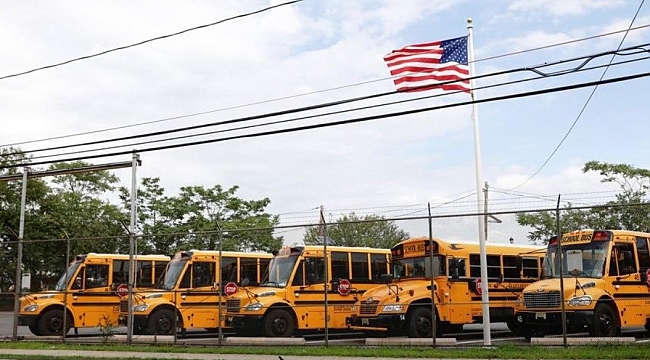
(91, 296)
(198, 296)
(463, 302)
(627, 283)
(310, 294)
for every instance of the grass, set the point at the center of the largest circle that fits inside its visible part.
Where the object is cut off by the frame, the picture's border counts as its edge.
(636, 351)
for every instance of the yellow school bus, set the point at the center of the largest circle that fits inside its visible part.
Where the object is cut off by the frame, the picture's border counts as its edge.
(403, 306)
(90, 284)
(606, 286)
(293, 296)
(187, 297)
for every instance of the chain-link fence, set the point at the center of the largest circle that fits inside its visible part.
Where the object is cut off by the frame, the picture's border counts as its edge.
(187, 300)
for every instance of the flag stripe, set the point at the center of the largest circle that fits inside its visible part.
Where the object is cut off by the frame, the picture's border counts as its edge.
(435, 65)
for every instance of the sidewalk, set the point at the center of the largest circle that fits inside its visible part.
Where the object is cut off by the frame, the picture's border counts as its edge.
(152, 355)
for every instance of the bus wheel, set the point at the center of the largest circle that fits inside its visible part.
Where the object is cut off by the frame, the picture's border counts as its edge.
(51, 323)
(605, 322)
(278, 323)
(161, 322)
(34, 329)
(420, 323)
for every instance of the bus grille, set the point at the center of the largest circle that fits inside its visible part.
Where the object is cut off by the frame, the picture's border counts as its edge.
(232, 305)
(369, 308)
(124, 306)
(542, 300)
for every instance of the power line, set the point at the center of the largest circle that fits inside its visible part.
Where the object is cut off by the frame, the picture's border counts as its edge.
(535, 69)
(584, 107)
(149, 40)
(356, 120)
(291, 96)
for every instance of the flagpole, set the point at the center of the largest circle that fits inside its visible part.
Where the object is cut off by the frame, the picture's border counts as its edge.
(485, 299)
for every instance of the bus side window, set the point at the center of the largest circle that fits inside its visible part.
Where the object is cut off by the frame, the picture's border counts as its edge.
(96, 276)
(315, 269)
(299, 276)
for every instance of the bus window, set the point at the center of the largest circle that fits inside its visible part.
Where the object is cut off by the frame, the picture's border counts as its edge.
(315, 270)
(340, 268)
(493, 266)
(299, 276)
(530, 267)
(510, 269)
(360, 268)
(186, 281)
(622, 260)
(379, 266)
(96, 276)
(145, 273)
(248, 269)
(642, 253)
(228, 270)
(203, 274)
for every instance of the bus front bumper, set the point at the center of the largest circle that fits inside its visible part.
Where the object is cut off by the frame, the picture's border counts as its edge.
(27, 320)
(249, 322)
(552, 321)
(384, 321)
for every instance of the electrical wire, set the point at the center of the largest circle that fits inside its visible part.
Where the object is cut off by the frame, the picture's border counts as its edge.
(303, 94)
(351, 121)
(339, 112)
(149, 40)
(535, 69)
(584, 107)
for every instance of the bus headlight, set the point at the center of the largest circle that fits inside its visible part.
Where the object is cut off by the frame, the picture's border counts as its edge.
(583, 300)
(393, 308)
(140, 307)
(30, 308)
(256, 306)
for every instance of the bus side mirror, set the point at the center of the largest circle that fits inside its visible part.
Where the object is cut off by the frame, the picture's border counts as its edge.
(386, 278)
(245, 282)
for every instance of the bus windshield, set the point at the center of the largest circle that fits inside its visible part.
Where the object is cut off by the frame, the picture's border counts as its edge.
(584, 260)
(418, 267)
(63, 282)
(280, 270)
(173, 272)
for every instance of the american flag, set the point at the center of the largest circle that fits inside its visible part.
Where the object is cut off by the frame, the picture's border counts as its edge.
(425, 66)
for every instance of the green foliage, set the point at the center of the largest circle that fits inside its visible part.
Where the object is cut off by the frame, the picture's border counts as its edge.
(353, 230)
(630, 210)
(193, 218)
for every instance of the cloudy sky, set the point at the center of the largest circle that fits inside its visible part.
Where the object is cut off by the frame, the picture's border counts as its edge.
(318, 51)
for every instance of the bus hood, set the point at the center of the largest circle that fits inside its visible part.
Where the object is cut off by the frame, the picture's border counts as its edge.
(571, 285)
(409, 287)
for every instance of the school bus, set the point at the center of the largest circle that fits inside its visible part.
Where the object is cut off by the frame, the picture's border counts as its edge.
(403, 306)
(605, 283)
(187, 297)
(89, 291)
(293, 295)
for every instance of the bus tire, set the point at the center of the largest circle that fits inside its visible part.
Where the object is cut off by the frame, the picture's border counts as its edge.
(605, 322)
(34, 330)
(278, 323)
(420, 323)
(51, 323)
(161, 322)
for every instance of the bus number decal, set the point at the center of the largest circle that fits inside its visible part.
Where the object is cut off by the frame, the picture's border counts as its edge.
(342, 308)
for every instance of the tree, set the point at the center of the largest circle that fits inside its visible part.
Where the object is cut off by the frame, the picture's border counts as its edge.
(192, 219)
(353, 230)
(630, 210)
